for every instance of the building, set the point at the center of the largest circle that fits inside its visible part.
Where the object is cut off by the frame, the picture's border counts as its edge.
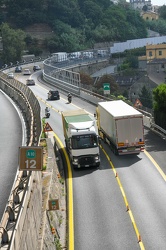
(139, 4)
(150, 16)
(155, 56)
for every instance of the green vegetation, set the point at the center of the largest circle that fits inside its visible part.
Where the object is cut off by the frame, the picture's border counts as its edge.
(58, 244)
(13, 43)
(75, 24)
(160, 24)
(146, 97)
(159, 95)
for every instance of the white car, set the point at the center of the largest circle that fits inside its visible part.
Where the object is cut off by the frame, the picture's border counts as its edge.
(10, 75)
(26, 72)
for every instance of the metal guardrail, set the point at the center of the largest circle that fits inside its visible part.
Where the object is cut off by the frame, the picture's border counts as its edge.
(158, 129)
(27, 102)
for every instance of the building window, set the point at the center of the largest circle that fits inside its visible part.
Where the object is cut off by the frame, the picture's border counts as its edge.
(150, 53)
(160, 53)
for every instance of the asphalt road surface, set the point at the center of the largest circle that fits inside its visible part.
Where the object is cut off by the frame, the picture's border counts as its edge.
(10, 140)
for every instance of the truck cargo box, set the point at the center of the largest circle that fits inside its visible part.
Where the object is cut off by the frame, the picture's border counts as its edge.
(121, 126)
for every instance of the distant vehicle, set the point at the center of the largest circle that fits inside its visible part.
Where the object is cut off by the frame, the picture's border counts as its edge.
(30, 82)
(69, 97)
(26, 72)
(36, 67)
(75, 55)
(53, 95)
(59, 57)
(47, 112)
(18, 69)
(10, 75)
(28, 58)
(102, 53)
(88, 54)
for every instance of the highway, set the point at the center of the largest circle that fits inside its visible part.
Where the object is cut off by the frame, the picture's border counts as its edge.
(101, 217)
(11, 138)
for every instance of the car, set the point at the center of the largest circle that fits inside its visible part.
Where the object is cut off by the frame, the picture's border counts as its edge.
(26, 72)
(18, 69)
(53, 95)
(10, 75)
(36, 67)
(30, 82)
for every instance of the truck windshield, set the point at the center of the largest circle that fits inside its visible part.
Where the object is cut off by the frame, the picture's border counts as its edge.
(84, 141)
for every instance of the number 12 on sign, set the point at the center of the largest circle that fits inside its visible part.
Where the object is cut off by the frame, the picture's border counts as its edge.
(30, 164)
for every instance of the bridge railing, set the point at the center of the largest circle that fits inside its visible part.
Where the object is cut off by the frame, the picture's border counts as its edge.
(29, 105)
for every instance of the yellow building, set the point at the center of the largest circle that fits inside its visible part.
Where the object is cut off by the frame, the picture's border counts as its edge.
(157, 51)
(150, 16)
(155, 57)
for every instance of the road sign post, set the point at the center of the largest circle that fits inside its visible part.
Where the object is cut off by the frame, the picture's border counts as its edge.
(31, 158)
(106, 88)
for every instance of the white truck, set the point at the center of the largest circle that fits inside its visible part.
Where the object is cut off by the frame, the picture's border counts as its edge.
(75, 55)
(59, 57)
(81, 138)
(121, 126)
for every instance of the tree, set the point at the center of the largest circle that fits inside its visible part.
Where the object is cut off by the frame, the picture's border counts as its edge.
(145, 8)
(107, 79)
(86, 79)
(13, 43)
(162, 12)
(132, 61)
(159, 95)
(146, 97)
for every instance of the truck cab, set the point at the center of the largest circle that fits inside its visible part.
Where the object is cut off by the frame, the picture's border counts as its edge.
(81, 139)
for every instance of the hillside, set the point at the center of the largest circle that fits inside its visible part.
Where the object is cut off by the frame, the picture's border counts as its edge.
(74, 25)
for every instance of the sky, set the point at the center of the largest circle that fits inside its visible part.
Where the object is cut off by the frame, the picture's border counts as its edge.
(158, 2)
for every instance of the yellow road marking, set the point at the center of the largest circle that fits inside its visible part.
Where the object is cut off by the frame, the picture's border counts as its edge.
(156, 165)
(126, 202)
(70, 200)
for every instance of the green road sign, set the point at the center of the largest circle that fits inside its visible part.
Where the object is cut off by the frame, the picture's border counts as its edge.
(106, 87)
(30, 154)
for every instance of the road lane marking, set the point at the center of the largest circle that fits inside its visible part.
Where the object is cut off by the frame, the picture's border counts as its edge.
(70, 198)
(125, 200)
(156, 165)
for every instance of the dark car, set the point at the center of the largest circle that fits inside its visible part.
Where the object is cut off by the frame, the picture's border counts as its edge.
(53, 95)
(18, 69)
(30, 82)
(36, 67)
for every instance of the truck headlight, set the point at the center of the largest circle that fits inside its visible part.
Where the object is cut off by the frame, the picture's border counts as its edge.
(96, 157)
(75, 160)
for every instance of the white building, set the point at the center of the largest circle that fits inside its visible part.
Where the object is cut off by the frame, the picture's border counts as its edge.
(139, 4)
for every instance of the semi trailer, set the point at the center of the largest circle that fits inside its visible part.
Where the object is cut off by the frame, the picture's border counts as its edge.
(121, 126)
